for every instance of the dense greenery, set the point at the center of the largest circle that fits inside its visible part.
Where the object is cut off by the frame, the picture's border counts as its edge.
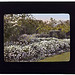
(38, 49)
(18, 24)
(27, 39)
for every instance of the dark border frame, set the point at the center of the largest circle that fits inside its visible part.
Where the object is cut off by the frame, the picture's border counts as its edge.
(37, 67)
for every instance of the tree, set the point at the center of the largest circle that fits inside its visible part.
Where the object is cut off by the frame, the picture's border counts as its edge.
(18, 24)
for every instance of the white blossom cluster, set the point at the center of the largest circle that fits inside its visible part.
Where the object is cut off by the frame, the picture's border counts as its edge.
(36, 50)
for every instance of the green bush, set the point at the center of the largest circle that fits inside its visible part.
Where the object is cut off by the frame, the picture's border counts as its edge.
(62, 35)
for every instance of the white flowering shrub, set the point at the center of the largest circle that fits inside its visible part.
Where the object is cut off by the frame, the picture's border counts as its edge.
(35, 51)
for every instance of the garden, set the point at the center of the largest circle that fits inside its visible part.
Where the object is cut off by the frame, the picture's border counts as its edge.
(30, 40)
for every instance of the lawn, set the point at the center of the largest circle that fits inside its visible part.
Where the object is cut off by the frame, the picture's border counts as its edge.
(57, 58)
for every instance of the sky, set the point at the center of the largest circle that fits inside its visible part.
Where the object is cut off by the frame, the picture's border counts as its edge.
(46, 17)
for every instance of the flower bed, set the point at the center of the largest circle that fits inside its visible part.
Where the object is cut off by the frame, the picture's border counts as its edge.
(35, 51)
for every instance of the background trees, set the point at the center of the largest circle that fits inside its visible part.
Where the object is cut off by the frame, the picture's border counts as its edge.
(18, 24)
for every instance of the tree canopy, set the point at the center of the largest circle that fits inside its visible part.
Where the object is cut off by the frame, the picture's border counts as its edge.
(18, 24)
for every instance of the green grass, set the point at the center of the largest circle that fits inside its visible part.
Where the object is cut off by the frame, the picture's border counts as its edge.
(57, 58)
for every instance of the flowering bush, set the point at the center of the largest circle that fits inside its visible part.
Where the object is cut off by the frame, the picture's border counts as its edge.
(37, 50)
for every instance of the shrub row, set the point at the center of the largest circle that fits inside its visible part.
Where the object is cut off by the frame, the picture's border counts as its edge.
(35, 51)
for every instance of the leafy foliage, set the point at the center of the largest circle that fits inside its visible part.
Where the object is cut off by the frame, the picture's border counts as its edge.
(18, 24)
